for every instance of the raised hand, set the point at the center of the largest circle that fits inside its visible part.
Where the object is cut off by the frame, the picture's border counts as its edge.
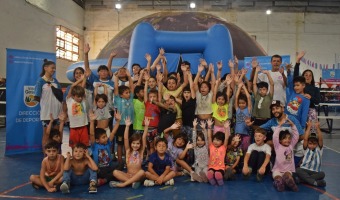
(148, 57)
(62, 116)
(118, 116)
(175, 126)
(128, 121)
(202, 124)
(226, 124)
(254, 62)
(203, 62)
(194, 123)
(248, 121)
(219, 65)
(146, 121)
(161, 52)
(300, 55)
(51, 117)
(228, 79)
(200, 68)
(87, 48)
(231, 64)
(235, 60)
(281, 70)
(210, 122)
(113, 53)
(92, 116)
(189, 146)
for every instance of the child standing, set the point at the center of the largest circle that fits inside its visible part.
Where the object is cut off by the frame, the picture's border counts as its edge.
(101, 146)
(217, 148)
(139, 109)
(310, 169)
(79, 170)
(284, 166)
(159, 171)
(101, 110)
(257, 156)
(201, 150)
(51, 169)
(234, 154)
(124, 103)
(134, 147)
(219, 108)
(76, 109)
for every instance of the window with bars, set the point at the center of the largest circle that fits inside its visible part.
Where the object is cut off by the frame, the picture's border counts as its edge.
(67, 44)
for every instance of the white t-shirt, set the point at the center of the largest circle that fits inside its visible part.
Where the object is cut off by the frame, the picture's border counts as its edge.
(263, 148)
(76, 113)
(279, 88)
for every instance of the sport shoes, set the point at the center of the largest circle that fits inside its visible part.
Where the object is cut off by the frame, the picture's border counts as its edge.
(211, 179)
(136, 185)
(65, 188)
(279, 185)
(101, 181)
(259, 177)
(246, 176)
(149, 183)
(170, 182)
(219, 178)
(228, 173)
(321, 183)
(113, 184)
(195, 177)
(93, 187)
(289, 182)
(204, 177)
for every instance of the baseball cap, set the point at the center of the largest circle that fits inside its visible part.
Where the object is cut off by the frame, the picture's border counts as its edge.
(276, 103)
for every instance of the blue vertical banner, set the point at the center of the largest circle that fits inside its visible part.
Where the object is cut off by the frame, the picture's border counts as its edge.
(23, 125)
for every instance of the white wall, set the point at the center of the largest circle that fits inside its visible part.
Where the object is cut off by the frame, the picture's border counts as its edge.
(32, 27)
(279, 33)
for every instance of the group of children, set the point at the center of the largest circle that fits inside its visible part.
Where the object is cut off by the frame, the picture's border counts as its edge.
(207, 127)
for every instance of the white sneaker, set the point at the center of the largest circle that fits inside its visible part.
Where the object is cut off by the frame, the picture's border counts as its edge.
(149, 183)
(170, 182)
(64, 188)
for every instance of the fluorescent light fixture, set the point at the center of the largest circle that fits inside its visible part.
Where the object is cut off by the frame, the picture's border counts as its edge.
(268, 12)
(192, 5)
(118, 6)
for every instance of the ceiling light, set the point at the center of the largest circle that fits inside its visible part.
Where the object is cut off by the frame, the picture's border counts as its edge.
(192, 5)
(118, 6)
(268, 12)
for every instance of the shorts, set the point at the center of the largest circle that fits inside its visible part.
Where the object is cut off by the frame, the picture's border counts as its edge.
(49, 178)
(152, 133)
(120, 133)
(79, 135)
(218, 129)
(277, 173)
(214, 170)
(45, 123)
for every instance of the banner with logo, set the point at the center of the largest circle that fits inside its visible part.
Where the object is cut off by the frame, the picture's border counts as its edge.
(23, 125)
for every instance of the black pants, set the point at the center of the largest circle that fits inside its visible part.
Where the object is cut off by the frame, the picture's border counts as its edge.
(256, 160)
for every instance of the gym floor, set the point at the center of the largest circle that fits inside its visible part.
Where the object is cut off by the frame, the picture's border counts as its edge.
(15, 172)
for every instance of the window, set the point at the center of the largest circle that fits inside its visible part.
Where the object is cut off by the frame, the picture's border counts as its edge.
(67, 45)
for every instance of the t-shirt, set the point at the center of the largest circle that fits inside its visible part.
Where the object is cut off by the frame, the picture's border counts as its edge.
(48, 102)
(110, 87)
(188, 111)
(102, 153)
(203, 103)
(102, 113)
(220, 112)
(76, 113)
(284, 160)
(166, 119)
(279, 88)
(312, 159)
(139, 110)
(159, 165)
(152, 112)
(173, 151)
(125, 107)
(232, 155)
(261, 108)
(298, 106)
(263, 148)
(201, 153)
(217, 155)
(241, 127)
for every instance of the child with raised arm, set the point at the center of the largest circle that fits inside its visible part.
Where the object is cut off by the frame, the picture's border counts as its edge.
(124, 103)
(219, 107)
(56, 134)
(101, 147)
(101, 110)
(310, 169)
(284, 166)
(134, 147)
(243, 109)
(51, 171)
(258, 156)
(159, 167)
(217, 148)
(76, 110)
(201, 151)
(233, 157)
(79, 170)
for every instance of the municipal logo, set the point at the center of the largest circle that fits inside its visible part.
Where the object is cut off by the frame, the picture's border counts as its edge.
(29, 96)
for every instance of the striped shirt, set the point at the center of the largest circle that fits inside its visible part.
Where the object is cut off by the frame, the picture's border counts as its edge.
(312, 159)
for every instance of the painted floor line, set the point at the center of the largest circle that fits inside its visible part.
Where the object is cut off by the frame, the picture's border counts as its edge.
(166, 187)
(322, 191)
(331, 149)
(16, 187)
(186, 180)
(33, 197)
(134, 197)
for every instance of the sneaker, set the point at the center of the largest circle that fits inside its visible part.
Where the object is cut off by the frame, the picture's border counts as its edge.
(196, 177)
(149, 183)
(136, 185)
(289, 182)
(93, 187)
(228, 173)
(246, 176)
(185, 172)
(101, 181)
(211, 179)
(204, 177)
(259, 177)
(219, 178)
(321, 183)
(113, 183)
(279, 185)
(65, 188)
(170, 182)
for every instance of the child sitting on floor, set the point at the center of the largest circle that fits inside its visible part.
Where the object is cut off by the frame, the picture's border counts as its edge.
(79, 170)
(159, 167)
(234, 154)
(51, 171)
